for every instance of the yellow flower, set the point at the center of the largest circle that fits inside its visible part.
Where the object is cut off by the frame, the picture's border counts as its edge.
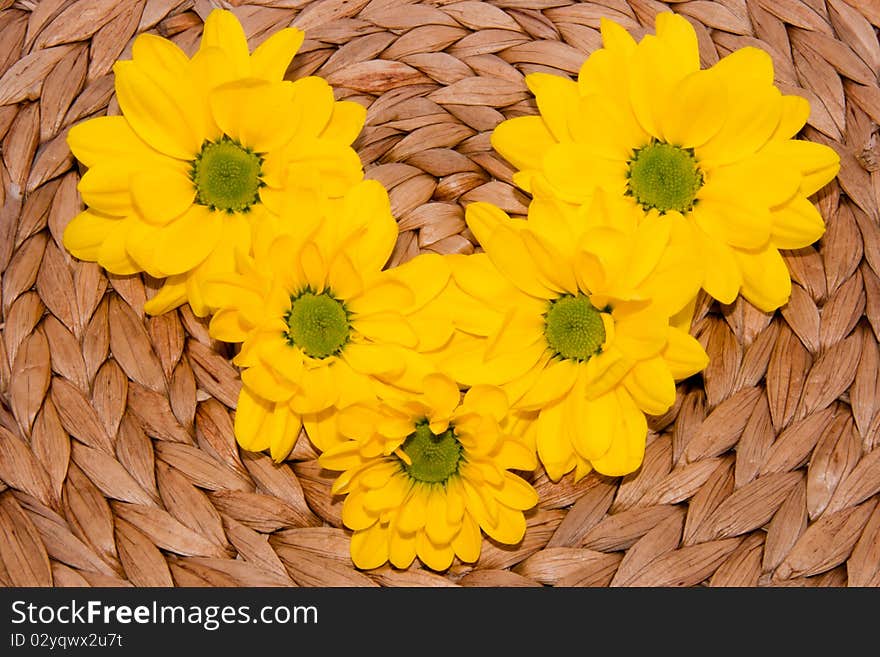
(204, 148)
(321, 324)
(423, 475)
(581, 337)
(645, 122)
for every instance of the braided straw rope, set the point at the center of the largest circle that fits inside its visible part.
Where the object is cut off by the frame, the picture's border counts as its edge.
(118, 464)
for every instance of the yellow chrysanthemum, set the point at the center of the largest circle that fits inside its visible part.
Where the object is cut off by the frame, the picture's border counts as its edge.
(204, 149)
(646, 123)
(422, 476)
(582, 337)
(321, 324)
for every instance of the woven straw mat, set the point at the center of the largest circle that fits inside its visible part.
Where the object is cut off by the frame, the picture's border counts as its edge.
(118, 464)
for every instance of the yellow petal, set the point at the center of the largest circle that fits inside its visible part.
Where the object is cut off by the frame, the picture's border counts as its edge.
(468, 541)
(109, 138)
(511, 256)
(554, 450)
(476, 279)
(723, 277)
(435, 557)
(106, 189)
(640, 335)
(676, 33)
(509, 529)
(574, 172)
(606, 70)
(426, 275)
(766, 280)
(523, 141)
(366, 230)
(605, 370)
(554, 220)
(354, 515)
(515, 455)
(678, 274)
(441, 393)
(272, 57)
(513, 364)
(157, 102)
(658, 65)
(222, 30)
(413, 511)
(344, 456)
(373, 359)
(369, 547)
(161, 195)
(402, 548)
(346, 122)
(85, 233)
(517, 493)
(285, 360)
(795, 112)
(483, 218)
(384, 294)
(733, 224)
(226, 325)
(251, 414)
(437, 526)
(313, 102)
(254, 112)
(550, 262)
(326, 165)
(684, 127)
(283, 429)
(322, 428)
(590, 423)
(112, 254)
(211, 68)
(432, 326)
(817, 163)
(317, 391)
(313, 267)
(684, 318)
(754, 111)
(557, 98)
(607, 129)
(171, 295)
(343, 280)
(266, 383)
(615, 38)
(554, 381)
(517, 331)
(683, 354)
(651, 386)
(390, 328)
(628, 447)
(487, 400)
(796, 224)
(188, 240)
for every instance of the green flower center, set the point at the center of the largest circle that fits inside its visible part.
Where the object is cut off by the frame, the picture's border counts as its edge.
(664, 177)
(227, 176)
(433, 458)
(574, 328)
(318, 324)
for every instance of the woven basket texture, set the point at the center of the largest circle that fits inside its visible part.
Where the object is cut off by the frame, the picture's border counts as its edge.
(118, 464)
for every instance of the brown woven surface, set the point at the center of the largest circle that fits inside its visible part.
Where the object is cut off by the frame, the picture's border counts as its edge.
(118, 464)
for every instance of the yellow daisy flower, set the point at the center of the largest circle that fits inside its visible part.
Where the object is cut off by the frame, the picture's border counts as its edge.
(645, 122)
(583, 338)
(422, 476)
(321, 324)
(203, 147)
